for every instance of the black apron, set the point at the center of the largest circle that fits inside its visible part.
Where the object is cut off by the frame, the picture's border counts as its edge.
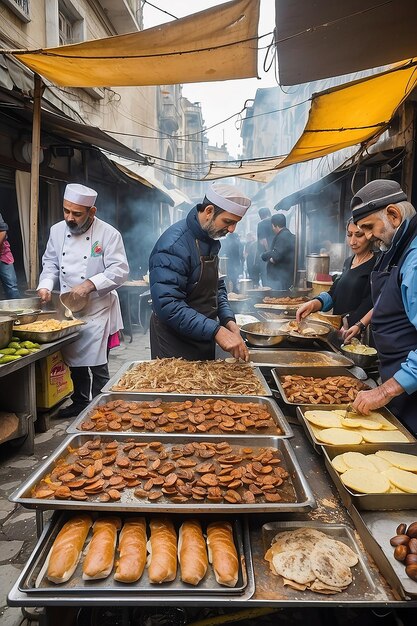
(394, 334)
(166, 342)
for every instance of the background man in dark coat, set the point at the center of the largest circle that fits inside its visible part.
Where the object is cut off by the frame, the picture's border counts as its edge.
(280, 258)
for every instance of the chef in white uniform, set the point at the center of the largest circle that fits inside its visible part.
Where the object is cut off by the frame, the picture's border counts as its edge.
(86, 256)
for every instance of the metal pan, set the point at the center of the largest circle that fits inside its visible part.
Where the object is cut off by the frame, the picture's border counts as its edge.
(372, 501)
(35, 580)
(129, 364)
(361, 447)
(324, 372)
(376, 530)
(363, 587)
(303, 499)
(47, 336)
(281, 427)
(294, 358)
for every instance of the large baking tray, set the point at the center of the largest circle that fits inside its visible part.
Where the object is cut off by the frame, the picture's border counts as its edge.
(376, 530)
(129, 364)
(372, 501)
(324, 372)
(295, 358)
(304, 497)
(361, 447)
(362, 588)
(47, 336)
(282, 428)
(35, 580)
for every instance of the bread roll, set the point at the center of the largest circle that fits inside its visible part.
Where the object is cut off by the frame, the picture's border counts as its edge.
(99, 560)
(192, 552)
(67, 547)
(222, 553)
(162, 548)
(132, 550)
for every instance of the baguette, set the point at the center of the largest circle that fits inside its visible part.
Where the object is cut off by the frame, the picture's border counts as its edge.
(192, 552)
(99, 560)
(132, 551)
(66, 549)
(162, 548)
(222, 553)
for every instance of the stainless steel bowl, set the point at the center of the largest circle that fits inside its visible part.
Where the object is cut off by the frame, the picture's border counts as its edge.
(362, 360)
(264, 334)
(6, 330)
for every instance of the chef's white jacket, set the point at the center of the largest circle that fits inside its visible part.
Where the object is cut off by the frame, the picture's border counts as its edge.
(99, 255)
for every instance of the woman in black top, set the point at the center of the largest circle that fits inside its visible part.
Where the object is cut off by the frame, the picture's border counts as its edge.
(350, 294)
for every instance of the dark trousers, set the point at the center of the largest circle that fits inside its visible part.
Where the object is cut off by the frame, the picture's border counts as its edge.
(88, 380)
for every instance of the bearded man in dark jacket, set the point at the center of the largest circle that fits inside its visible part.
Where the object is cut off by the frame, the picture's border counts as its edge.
(191, 313)
(281, 257)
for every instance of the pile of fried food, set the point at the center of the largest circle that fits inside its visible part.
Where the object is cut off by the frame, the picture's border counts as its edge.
(303, 329)
(42, 326)
(405, 544)
(284, 300)
(181, 376)
(159, 551)
(189, 416)
(341, 427)
(385, 471)
(206, 472)
(316, 390)
(306, 558)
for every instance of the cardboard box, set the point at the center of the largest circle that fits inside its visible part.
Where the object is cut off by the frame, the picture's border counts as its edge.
(53, 381)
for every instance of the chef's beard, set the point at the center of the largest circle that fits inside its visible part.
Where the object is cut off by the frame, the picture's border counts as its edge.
(80, 229)
(213, 232)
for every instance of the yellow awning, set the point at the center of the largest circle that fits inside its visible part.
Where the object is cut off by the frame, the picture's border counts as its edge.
(216, 44)
(339, 117)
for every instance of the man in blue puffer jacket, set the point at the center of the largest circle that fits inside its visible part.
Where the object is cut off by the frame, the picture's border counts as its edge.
(191, 313)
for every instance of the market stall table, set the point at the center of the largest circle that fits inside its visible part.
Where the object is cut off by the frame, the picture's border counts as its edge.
(18, 390)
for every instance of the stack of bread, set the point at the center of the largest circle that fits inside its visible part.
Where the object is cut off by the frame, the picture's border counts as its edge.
(133, 545)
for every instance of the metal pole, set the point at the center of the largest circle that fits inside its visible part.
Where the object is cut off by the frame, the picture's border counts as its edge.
(34, 184)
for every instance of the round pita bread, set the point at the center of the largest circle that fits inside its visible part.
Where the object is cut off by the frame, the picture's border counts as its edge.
(294, 565)
(340, 551)
(328, 569)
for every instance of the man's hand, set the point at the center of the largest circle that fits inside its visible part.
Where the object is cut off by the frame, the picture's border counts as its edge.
(232, 342)
(307, 308)
(83, 289)
(367, 401)
(45, 295)
(350, 333)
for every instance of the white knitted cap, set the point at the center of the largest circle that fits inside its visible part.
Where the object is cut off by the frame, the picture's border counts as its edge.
(79, 194)
(229, 198)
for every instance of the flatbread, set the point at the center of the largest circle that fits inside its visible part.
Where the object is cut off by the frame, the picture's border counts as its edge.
(320, 587)
(380, 463)
(407, 481)
(363, 481)
(360, 422)
(339, 464)
(357, 459)
(328, 569)
(386, 424)
(340, 551)
(323, 419)
(399, 459)
(294, 565)
(339, 436)
(383, 436)
(296, 539)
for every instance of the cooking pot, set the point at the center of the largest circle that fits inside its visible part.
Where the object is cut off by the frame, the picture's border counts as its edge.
(19, 305)
(6, 330)
(264, 334)
(316, 264)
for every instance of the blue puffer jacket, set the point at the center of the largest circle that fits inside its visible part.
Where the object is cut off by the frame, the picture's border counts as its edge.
(174, 270)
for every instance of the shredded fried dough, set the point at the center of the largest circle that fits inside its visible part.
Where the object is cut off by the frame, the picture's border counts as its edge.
(181, 376)
(47, 325)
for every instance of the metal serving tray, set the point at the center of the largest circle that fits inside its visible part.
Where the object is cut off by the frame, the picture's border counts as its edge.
(129, 364)
(283, 429)
(372, 501)
(304, 498)
(324, 372)
(47, 336)
(361, 447)
(35, 581)
(294, 358)
(376, 530)
(362, 588)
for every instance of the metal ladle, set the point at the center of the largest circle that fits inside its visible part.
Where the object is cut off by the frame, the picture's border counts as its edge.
(68, 313)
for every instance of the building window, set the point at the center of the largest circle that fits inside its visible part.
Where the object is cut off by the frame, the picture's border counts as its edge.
(19, 8)
(66, 33)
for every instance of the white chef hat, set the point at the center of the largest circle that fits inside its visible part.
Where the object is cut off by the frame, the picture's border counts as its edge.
(80, 194)
(229, 198)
